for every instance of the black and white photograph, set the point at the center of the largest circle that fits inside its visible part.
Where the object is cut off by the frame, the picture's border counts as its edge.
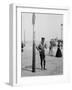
(41, 44)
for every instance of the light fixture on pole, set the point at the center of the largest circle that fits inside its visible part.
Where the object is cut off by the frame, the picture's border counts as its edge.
(61, 31)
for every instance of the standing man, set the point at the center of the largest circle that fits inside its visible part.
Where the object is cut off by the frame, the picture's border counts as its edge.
(41, 48)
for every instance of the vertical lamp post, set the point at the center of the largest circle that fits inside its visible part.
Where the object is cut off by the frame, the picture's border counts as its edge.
(33, 51)
(62, 36)
(24, 38)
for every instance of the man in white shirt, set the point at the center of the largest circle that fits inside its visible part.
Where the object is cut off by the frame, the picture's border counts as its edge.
(41, 48)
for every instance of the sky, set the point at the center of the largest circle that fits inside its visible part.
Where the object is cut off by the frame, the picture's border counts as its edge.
(46, 25)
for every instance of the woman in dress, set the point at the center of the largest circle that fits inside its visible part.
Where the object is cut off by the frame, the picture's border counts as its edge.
(58, 53)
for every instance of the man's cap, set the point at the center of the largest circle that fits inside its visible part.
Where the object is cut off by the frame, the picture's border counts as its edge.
(42, 38)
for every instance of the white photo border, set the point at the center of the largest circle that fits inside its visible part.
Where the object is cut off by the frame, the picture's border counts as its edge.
(15, 63)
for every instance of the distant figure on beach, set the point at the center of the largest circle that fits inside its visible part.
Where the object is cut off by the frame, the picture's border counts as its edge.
(41, 48)
(58, 53)
(22, 46)
(50, 49)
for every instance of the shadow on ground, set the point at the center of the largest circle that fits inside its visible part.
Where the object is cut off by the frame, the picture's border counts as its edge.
(29, 68)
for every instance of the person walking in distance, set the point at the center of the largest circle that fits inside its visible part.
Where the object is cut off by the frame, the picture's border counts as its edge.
(50, 49)
(58, 53)
(41, 48)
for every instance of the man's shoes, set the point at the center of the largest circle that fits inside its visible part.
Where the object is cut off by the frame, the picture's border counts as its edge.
(45, 69)
(42, 68)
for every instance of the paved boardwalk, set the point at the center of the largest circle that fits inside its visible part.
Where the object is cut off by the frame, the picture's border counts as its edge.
(54, 65)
